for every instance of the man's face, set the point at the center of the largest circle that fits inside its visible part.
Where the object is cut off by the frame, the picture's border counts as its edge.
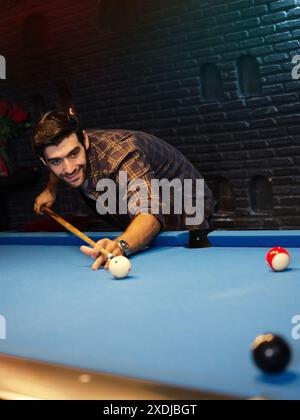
(68, 161)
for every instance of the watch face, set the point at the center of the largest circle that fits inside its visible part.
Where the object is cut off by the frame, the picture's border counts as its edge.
(124, 247)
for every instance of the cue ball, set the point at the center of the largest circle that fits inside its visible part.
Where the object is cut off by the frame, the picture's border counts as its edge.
(271, 353)
(120, 267)
(278, 259)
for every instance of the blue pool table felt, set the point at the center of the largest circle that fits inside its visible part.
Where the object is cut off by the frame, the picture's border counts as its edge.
(184, 317)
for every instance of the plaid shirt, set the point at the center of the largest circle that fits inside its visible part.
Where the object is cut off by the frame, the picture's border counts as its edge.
(141, 156)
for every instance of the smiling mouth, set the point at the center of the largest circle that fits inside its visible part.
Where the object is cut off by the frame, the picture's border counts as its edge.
(73, 178)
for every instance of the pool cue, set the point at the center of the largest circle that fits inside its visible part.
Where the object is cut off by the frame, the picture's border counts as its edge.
(75, 231)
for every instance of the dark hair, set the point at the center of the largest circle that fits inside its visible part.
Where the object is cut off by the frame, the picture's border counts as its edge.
(52, 128)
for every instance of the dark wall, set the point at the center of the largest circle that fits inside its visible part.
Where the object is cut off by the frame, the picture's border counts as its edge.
(213, 78)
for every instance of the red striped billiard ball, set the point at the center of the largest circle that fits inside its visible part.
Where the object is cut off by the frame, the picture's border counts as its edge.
(278, 259)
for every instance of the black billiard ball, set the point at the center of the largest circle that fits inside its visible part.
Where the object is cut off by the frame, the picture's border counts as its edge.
(271, 353)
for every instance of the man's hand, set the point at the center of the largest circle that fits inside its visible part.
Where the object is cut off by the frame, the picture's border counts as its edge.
(141, 231)
(109, 245)
(46, 199)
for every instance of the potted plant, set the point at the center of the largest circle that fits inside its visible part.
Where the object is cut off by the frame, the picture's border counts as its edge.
(13, 121)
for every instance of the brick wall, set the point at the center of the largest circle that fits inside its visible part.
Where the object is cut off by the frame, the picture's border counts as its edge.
(212, 78)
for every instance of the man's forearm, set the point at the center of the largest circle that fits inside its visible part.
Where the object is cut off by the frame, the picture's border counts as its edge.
(142, 230)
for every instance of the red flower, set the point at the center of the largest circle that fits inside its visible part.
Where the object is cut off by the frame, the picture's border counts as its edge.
(18, 114)
(3, 168)
(4, 108)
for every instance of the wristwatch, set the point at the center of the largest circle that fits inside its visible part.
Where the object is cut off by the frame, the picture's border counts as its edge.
(124, 247)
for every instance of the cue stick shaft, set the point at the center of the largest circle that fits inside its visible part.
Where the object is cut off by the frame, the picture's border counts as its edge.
(74, 230)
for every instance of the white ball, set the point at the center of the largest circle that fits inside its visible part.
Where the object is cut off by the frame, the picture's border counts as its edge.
(120, 267)
(281, 262)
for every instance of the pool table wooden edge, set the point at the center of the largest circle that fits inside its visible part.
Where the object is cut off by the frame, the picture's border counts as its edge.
(23, 379)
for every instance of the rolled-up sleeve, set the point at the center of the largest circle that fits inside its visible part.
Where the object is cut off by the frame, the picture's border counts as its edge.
(139, 195)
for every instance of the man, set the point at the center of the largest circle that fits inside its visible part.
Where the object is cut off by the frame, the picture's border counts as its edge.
(131, 163)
